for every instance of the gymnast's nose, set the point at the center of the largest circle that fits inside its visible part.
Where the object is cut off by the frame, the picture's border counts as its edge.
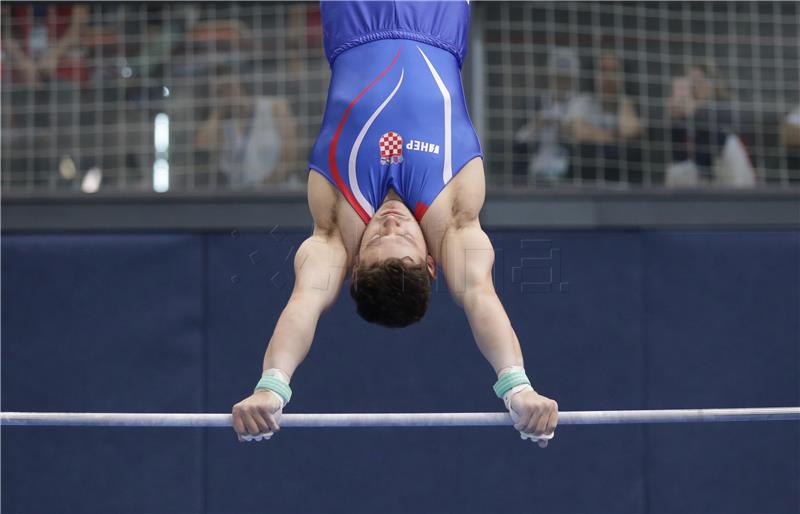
(390, 224)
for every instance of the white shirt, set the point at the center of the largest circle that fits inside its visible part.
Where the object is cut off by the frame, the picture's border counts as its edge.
(249, 158)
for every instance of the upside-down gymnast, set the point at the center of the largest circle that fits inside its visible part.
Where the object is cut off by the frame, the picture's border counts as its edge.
(395, 186)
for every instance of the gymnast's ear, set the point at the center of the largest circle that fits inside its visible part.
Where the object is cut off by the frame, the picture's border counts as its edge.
(431, 266)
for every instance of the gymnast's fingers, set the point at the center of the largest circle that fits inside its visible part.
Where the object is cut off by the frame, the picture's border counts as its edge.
(250, 425)
(523, 421)
(238, 424)
(533, 423)
(541, 425)
(552, 421)
(260, 421)
(270, 420)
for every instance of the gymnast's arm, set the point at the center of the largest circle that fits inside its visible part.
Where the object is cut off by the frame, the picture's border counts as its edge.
(467, 266)
(468, 270)
(320, 267)
(466, 256)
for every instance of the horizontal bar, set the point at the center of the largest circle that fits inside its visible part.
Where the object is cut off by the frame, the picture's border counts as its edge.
(455, 419)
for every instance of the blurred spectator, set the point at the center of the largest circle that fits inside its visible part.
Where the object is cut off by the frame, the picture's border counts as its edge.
(43, 42)
(159, 30)
(602, 124)
(608, 115)
(211, 43)
(790, 139)
(546, 137)
(254, 137)
(701, 116)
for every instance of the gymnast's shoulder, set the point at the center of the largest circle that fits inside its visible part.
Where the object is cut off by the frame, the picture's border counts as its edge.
(335, 222)
(460, 202)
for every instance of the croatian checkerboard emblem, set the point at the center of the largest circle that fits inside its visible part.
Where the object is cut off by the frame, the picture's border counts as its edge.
(391, 147)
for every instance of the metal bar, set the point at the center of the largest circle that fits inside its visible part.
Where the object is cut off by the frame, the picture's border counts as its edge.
(455, 419)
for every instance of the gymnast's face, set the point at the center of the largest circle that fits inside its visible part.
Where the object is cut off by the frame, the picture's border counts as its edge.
(394, 233)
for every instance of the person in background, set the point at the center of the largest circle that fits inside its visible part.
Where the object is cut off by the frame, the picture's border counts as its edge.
(211, 38)
(701, 116)
(790, 140)
(547, 135)
(603, 123)
(45, 48)
(43, 42)
(253, 136)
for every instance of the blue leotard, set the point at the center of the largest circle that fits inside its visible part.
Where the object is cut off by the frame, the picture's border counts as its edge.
(396, 116)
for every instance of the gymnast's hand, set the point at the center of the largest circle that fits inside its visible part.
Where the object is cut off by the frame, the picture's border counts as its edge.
(534, 415)
(256, 418)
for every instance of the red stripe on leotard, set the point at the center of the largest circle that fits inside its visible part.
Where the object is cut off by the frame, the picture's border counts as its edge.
(419, 211)
(337, 178)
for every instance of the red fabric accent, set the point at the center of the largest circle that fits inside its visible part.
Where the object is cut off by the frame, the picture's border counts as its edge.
(419, 211)
(337, 177)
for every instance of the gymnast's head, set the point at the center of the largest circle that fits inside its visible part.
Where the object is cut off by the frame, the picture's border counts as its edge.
(393, 271)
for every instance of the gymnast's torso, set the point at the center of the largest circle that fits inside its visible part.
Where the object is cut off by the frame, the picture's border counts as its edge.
(396, 118)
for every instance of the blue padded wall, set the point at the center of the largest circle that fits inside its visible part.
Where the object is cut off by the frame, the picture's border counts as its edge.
(723, 322)
(102, 323)
(607, 320)
(433, 366)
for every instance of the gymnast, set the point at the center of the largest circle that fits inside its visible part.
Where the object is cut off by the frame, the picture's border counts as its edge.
(395, 186)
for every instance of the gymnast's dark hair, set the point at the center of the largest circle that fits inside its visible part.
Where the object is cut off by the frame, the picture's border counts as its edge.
(391, 293)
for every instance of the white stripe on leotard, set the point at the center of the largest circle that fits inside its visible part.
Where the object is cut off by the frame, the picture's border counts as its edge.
(447, 168)
(351, 165)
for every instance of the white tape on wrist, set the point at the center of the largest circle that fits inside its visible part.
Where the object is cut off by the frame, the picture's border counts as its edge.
(277, 372)
(512, 392)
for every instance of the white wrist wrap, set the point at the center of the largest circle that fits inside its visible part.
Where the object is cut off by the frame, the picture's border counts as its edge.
(510, 394)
